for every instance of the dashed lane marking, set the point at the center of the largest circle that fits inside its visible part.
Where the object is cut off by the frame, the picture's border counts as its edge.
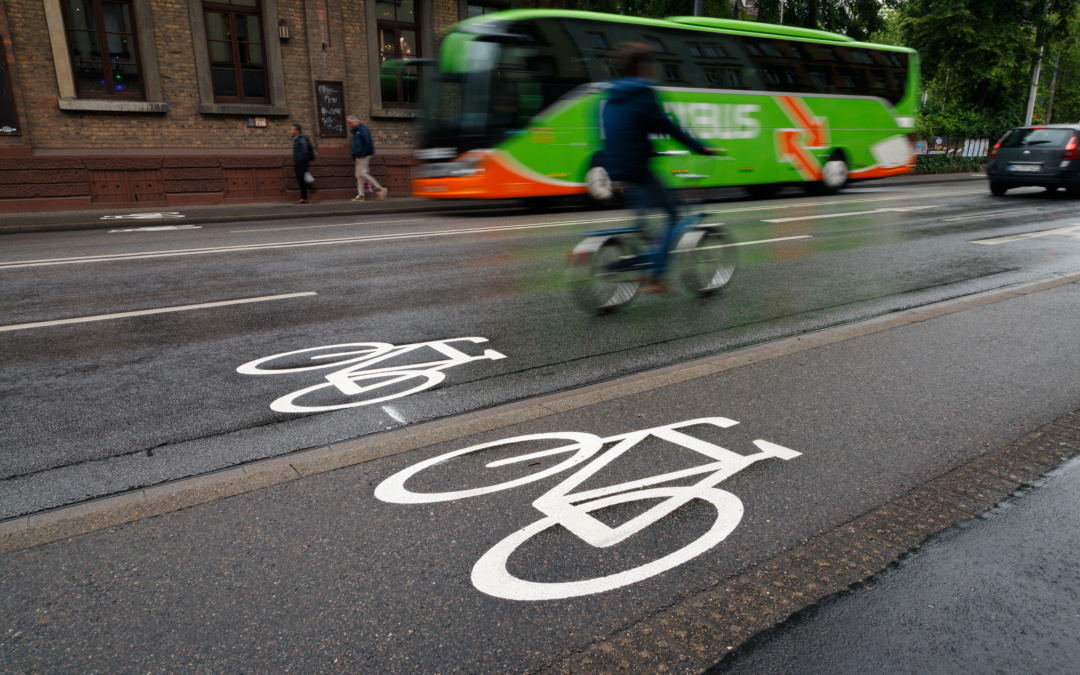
(897, 209)
(406, 235)
(991, 214)
(145, 312)
(1027, 235)
(315, 227)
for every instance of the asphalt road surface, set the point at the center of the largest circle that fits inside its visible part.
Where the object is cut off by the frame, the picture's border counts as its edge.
(439, 560)
(99, 407)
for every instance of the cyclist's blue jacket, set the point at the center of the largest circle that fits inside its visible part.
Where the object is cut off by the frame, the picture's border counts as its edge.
(630, 114)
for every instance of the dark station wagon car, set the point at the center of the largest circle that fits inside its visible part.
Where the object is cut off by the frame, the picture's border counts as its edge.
(1046, 156)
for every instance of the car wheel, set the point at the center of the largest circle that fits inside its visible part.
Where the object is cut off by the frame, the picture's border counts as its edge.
(997, 189)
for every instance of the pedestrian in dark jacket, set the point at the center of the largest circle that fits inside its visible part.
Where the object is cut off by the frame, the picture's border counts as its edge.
(630, 114)
(362, 148)
(302, 155)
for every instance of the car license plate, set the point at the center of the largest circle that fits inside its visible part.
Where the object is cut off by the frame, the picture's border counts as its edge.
(1025, 167)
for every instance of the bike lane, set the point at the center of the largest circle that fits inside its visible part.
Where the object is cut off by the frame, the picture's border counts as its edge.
(880, 434)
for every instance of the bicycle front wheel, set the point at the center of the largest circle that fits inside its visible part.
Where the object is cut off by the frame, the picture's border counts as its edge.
(600, 280)
(373, 387)
(490, 574)
(705, 259)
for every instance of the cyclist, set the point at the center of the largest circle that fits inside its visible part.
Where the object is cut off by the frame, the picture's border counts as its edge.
(629, 116)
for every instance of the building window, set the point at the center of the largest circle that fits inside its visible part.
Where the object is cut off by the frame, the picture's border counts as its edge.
(104, 54)
(234, 37)
(399, 30)
(482, 7)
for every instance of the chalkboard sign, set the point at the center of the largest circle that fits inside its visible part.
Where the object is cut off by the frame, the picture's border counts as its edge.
(331, 109)
(9, 123)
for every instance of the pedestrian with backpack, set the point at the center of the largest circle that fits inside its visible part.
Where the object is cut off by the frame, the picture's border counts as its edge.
(303, 153)
(362, 148)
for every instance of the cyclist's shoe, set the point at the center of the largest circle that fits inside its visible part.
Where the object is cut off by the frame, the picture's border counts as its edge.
(656, 285)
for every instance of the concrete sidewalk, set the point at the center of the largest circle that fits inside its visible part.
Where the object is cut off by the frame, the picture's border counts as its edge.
(996, 594)
(12, 223)
(908, 424)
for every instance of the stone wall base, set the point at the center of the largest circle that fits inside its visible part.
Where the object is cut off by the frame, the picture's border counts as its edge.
(72, 182)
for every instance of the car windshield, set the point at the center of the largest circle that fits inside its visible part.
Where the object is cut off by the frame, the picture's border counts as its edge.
(1050, 138)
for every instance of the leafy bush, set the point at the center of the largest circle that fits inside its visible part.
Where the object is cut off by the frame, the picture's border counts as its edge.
(936, 120)
(944, 164)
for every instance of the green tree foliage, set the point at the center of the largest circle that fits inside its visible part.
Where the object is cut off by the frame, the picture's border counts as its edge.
(1066, 104)
(657, 8)
(979, 53)
(855, 18)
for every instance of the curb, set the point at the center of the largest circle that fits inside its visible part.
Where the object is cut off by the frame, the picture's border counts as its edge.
(282, 212)
(701, 633)
(69, 521)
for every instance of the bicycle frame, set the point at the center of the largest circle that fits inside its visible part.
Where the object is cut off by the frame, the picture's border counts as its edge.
(565, 507)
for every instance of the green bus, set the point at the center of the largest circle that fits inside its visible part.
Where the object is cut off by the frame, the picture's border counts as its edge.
(513, 110)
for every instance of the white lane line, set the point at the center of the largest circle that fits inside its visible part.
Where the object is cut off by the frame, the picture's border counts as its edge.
(986, 215)
(897, 209)
(315, 227)
(744, 243)
(160, 310)
(993, 241)
(367, 238)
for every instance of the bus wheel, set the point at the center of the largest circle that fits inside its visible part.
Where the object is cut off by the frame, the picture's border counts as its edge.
(834, 175)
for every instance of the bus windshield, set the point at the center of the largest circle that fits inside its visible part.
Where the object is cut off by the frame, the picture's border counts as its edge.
(502, 88)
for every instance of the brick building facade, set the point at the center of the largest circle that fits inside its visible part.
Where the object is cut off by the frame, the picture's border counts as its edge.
(174, 102)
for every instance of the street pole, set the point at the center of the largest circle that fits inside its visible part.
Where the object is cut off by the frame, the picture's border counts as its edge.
(1053, 84)
(697, 7)
(1034, 89)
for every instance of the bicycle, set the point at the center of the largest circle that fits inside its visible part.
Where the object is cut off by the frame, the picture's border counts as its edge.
(607, 267)
(358, 359)
(572, 510)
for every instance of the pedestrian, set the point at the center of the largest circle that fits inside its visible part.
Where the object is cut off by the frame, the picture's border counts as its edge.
(362, 148)
(303, 153)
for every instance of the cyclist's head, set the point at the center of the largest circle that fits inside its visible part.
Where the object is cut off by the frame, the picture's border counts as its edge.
(635, 59)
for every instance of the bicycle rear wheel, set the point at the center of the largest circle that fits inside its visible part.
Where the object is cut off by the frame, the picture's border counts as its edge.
(705, 259)
(600, 280)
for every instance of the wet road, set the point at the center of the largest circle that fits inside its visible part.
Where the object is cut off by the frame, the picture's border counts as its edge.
(98, 407)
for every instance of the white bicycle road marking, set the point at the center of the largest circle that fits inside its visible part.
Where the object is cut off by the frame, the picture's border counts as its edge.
(572, 510)
(146, 216)
(365, 362)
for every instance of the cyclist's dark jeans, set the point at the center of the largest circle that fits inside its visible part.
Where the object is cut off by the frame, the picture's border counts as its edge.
(646, 192)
